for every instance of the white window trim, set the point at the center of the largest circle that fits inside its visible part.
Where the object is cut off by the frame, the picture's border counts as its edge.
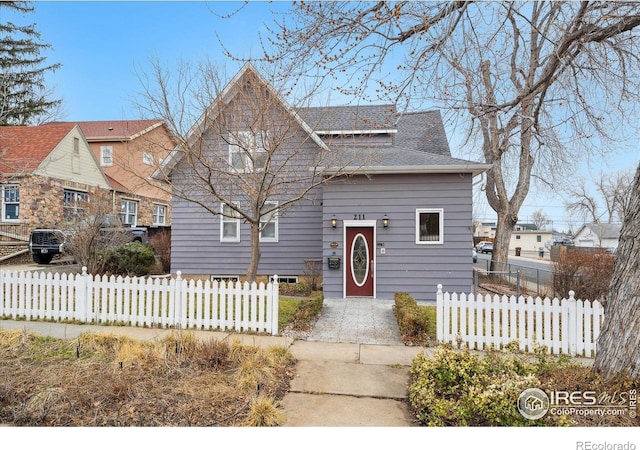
(275, 220)
(104, 149)
(154, 215)
(228, 220)
(71, 209)
(127, 213)
(234, 148)
(4, 204)
(440, 212)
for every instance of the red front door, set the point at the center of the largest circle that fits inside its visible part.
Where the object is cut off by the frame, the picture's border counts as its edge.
(359, 266)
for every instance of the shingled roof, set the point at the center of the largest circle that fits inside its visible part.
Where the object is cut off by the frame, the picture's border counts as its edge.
(404, 143)
(337, 119)
(22, 149)
(116, 130)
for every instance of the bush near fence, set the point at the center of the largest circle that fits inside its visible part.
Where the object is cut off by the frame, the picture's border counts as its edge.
(416, 323)
(588, 274)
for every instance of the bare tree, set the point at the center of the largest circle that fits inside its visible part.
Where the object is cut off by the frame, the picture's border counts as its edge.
(584, 204)
(619, 341)
(243, 152)
(91, 228)
(540, 219)
(535, 80)
(606, 201)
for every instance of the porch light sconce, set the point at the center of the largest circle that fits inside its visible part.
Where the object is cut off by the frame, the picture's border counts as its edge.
(334, 221)
(385, 221)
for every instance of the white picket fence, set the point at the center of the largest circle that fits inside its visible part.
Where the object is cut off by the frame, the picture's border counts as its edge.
(140, 301)
(567, 326)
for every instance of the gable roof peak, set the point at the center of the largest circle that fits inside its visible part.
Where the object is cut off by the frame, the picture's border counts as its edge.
(23, 148)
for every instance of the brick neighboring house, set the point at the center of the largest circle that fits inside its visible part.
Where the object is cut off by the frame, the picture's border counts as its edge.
(44, 171)
(128, 151)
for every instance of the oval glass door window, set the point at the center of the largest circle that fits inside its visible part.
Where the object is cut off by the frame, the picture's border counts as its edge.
(359, 260)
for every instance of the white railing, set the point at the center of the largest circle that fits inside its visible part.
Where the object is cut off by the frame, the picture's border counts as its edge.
(479, 322)
(140, 301)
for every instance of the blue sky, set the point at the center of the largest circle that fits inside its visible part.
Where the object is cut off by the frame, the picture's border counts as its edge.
(101, 45)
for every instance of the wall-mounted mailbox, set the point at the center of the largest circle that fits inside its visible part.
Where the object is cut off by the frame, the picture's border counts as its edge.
(333, 262)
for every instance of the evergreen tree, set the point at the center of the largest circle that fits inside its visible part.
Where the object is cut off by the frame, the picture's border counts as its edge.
(22, 70)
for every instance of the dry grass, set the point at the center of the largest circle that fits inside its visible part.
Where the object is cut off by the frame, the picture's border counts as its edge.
(105, 380)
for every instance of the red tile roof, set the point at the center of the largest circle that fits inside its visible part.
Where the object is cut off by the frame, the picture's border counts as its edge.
(116, 129)
(22, 149)
(116, 185)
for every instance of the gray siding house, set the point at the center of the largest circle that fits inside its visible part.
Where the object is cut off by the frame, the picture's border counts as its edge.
(388, 209)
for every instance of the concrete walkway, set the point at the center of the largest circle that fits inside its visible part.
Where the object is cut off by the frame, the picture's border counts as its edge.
(353, 370)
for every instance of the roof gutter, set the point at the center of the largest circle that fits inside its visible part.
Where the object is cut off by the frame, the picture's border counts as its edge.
(474, 169)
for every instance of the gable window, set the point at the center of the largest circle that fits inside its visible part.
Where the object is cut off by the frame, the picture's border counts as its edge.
(247, 151)
(75, 157)
(159, 214)
(269, 223)
(429, 226)
(10, 202)
(129, 212)
(73, 204)
(229, 225)
(106, 156)
(147, 158)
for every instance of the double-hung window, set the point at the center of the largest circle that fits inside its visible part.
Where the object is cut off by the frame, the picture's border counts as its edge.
(159, 214)
(106, 156)
(73, 204)
(269, 223)
(248, 151)
(429, 226)
(229, 225)
(129, 212)
(10, 202)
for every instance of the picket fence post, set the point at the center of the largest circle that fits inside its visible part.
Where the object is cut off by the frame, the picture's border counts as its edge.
(80, 310)
(275, 300)
(177, 300)
(572, 316)
(439, 315)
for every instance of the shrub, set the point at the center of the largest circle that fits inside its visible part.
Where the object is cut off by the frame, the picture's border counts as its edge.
(161, 243)
(295, 289)
(133, 259)
(460, 388)
(587, 274)
(308, 310)
(416, 323)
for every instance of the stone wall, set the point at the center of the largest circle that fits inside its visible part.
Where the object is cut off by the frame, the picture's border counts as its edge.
(42, 198)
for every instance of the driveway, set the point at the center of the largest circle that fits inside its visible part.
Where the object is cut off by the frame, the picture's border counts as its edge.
(62, 266)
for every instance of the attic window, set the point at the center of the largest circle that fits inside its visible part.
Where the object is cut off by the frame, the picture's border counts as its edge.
(248, 151)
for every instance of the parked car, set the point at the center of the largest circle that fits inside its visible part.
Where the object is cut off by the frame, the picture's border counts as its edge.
(44, 244)
(474, 256)
(481, 244)
(487, 248)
